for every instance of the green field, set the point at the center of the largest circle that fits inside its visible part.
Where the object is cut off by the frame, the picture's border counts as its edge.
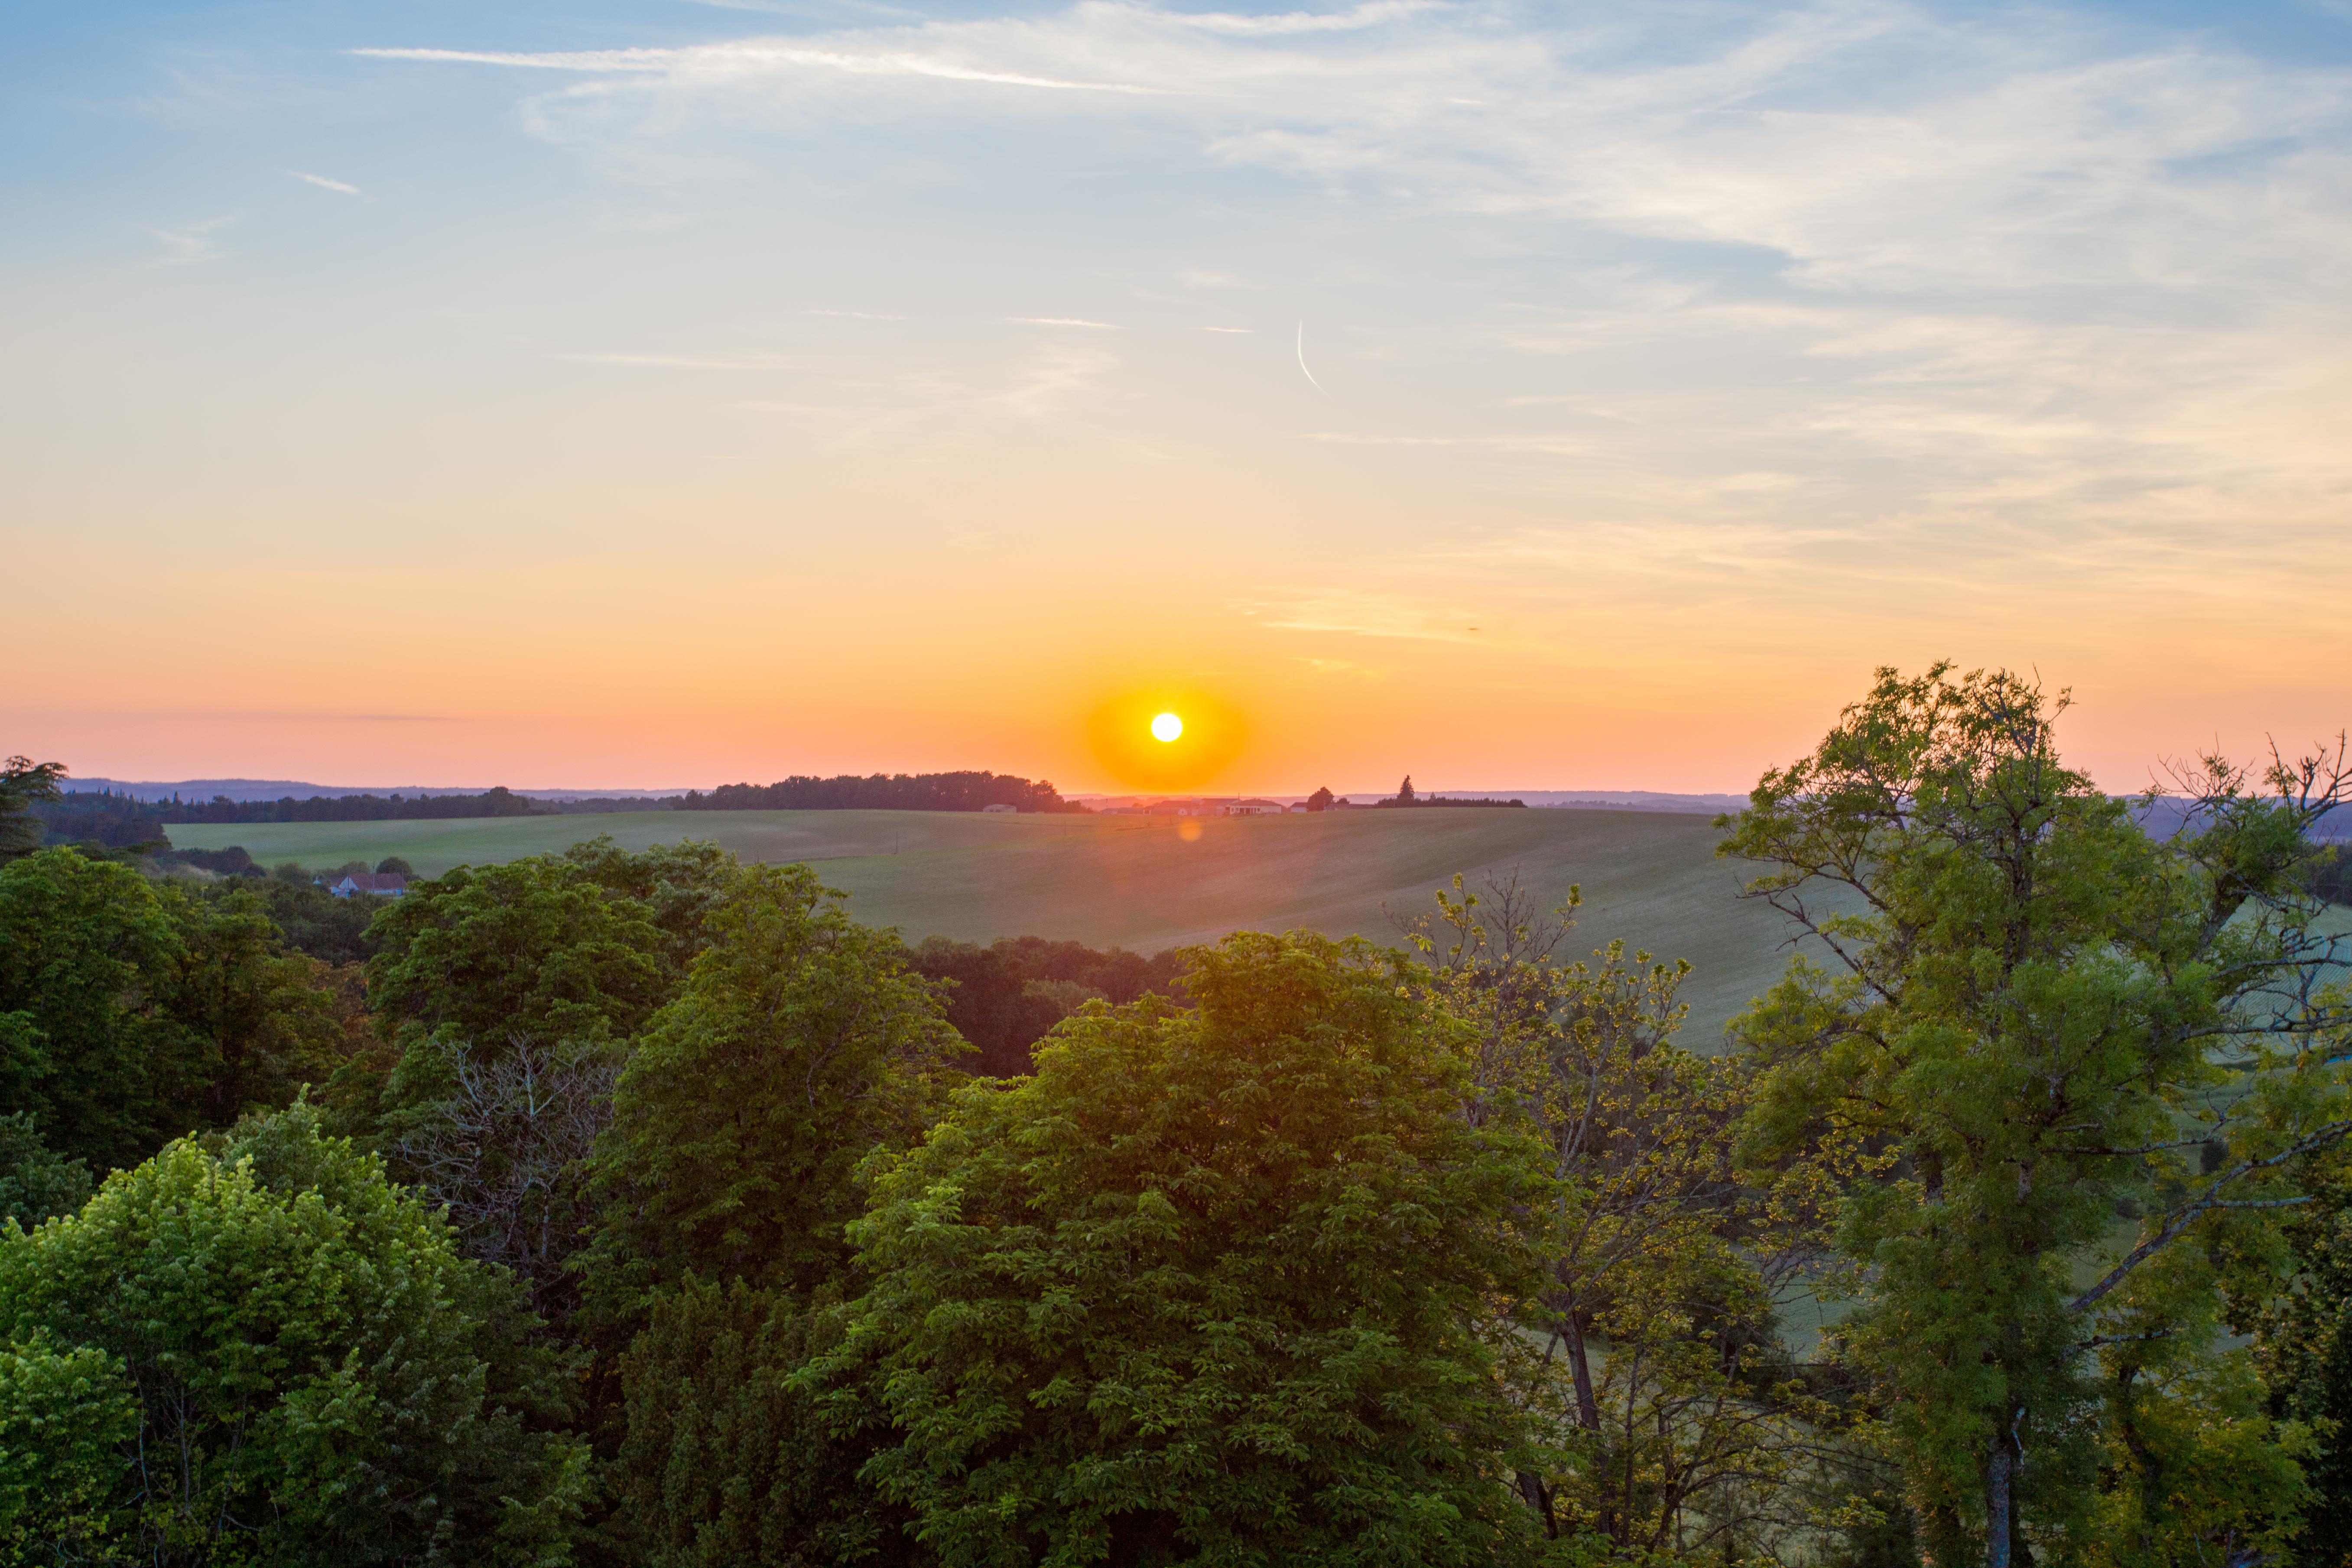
(1143, 883)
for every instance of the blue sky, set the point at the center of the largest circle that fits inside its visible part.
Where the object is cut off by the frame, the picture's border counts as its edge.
(1699, 357)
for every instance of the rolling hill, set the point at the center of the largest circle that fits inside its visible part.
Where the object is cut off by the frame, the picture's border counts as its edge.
(1150, 883)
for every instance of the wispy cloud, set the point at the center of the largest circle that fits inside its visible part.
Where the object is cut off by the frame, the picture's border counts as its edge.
(190, 243)
(1063, 322)
(2033, 280)
(724, 61)
(1364, 614)
(323, 182)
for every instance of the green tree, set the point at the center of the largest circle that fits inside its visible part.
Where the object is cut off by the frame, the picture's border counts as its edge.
(801, 1043)
(2042, 1019)
(508, 992)
(269, 1354)
(65, 1417)
(678, 886)
(22, 782)
(36, 1181)
(1674, 1422)
(731, 1456)
(537, 946)
(263, 1020)
(130, 1012)
(89, 958)
(1210, 1286)
(2304, 1347)
(313, 920)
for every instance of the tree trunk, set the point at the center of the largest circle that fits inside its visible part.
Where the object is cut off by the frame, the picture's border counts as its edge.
(1587, 1409)
(1587, 1413)
(2000, 1468)
(1539, 1498)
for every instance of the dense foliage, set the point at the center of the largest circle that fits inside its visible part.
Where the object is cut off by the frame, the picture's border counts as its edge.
(264, 1351)
(1003, 998)
(2042, 1019)
(131, 1013)
(1215, 1283)
(800, 1044)
(25, 786)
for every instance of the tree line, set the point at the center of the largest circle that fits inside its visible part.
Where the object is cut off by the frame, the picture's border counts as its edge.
(883, 791)
(647, 1208)
(120, 821)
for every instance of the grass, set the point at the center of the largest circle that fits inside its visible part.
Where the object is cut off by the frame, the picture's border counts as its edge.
(1650, 878)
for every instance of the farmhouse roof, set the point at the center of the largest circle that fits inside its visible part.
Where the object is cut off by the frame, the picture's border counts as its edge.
(349, 882)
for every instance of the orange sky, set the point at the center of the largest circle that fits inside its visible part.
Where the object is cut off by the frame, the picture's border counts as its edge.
(653, 400)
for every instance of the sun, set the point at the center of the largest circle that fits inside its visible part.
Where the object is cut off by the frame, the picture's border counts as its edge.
(1165, 739)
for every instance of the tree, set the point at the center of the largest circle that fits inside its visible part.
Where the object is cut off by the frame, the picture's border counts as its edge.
(2040, 1019)
(506, 1154)
(508, 991)
(537, 946)
(1405, 791)
(36, 1181)
(22, 783)
(268, 1353)
(89, 958)
(2303, 1346)
(64, 1418)
(393, 865)
(678, 886)
(1677, 1425)
(1209, 1285)
(1320, 800)
(131, 1012)
(313, 921)
(263, 1020)
(801, 1043)
(731, 1457)
(1003, 998)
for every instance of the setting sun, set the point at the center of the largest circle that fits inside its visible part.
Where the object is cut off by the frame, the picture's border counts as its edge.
(1166, 737)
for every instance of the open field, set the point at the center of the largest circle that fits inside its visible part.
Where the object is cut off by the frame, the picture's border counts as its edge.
(1148, 883)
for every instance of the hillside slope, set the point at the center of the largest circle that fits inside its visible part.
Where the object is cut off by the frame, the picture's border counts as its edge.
(1148, 883)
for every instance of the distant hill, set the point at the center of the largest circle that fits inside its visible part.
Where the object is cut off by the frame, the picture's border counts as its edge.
(279, 789)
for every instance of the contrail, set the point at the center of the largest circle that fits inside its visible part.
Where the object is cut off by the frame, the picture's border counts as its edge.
(1302, 359)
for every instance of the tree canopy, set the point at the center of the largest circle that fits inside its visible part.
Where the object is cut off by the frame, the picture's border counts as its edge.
(799, 1045)
(1208, 1286)
(263, 1351)
(2040, 1020)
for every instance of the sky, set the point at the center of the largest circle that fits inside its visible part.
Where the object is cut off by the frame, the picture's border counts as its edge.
(641, 395)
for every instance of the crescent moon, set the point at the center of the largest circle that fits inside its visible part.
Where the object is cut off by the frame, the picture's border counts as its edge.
(1302, 359)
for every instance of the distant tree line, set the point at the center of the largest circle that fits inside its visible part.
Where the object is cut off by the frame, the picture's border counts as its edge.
(120, 821)
(883, 791)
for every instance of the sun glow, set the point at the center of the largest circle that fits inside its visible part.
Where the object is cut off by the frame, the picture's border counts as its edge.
(1166, 738)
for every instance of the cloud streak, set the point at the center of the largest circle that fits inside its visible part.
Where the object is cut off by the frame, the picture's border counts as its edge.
(723, 62)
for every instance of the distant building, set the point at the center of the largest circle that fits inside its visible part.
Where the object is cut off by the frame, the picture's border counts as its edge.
(1254, 807)
(382, 884)
(999, 806)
